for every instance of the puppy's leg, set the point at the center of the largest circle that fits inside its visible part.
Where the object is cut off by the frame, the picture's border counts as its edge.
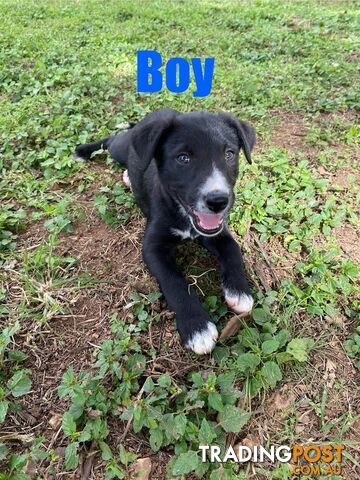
(236, 288)
(196, 330)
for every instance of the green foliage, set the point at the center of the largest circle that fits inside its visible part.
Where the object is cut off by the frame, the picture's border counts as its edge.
(141, 304)
(14, 466)
(185, 463)
(329, 131)
(11, 221)
(86, 420)
(108, 202)
(232, 419)
(182, 415)
(323, 279)
(216, 307)
(298, 348)
(284, 199)
(352, 346)
(14, 380)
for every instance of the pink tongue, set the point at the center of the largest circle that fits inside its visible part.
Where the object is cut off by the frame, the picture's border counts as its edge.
(209, 221)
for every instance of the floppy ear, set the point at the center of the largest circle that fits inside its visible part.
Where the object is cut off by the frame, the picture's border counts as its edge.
(147, 135)
(245, 133)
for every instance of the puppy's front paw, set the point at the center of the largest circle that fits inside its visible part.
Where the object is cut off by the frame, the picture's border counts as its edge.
(126, 179)
(241, 302)
(203, 341)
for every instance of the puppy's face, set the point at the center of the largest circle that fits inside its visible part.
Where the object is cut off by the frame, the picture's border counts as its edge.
(198, 161)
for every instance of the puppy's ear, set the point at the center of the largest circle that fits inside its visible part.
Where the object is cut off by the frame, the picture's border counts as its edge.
(148, 134)
(245, 133)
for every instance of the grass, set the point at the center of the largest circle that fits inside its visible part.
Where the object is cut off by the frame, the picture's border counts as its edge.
(93, 377)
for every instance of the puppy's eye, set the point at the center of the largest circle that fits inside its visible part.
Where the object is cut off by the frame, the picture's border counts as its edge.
(183, 159)
(229, 155)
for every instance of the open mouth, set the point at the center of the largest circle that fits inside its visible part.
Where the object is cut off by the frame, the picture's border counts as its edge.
(207, 223)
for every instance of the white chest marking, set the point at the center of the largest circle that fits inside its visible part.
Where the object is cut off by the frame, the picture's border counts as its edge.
(183, 234)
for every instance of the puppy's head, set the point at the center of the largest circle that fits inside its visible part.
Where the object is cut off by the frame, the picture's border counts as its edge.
(198, 160)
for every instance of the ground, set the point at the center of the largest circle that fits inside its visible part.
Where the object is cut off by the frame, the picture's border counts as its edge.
(93, 376)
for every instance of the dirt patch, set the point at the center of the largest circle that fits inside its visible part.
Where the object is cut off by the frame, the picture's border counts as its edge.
(348, 240)
(284, 261)
(32, 237)
(290, 131)
(344, 178)
(344, 115)
(298, 23)
(354, 56)
(346, 235)
(107, 253)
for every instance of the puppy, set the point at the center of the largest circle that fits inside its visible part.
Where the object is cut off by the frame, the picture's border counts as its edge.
(182, 169)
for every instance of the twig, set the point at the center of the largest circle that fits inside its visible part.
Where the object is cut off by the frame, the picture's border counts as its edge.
(195, 279)
(261, 276)
(86, 466)
(266, 258)
(127, 428)
(53, 440)
(17, 436)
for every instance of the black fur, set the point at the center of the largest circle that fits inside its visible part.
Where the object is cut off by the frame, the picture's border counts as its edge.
(167, 190)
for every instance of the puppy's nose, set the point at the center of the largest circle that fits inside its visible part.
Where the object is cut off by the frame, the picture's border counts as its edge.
(216, 200)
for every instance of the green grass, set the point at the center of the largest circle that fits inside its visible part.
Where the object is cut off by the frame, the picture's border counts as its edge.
(67, 76)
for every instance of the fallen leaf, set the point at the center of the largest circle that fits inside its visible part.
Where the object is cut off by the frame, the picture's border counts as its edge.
(281, 400)
(322, 171)
(231, 328)
(141, 469)
(338, 320)
(330, 373)
(300, 427)
(94, 413)
(304, 422)
(250, 441)
(55, 421)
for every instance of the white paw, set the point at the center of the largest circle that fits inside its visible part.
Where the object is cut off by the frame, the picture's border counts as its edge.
(126, 179)
(77, 158)
(241, 303)
(204, 341)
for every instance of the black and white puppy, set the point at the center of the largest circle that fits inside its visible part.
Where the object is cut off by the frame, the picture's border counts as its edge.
(182, 169)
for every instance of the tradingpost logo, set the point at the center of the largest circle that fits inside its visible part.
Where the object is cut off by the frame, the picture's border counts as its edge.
(303, 460)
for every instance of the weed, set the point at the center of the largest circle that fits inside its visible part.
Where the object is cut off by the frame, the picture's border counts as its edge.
(14, 380)
(352, 346)
(108, 200)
